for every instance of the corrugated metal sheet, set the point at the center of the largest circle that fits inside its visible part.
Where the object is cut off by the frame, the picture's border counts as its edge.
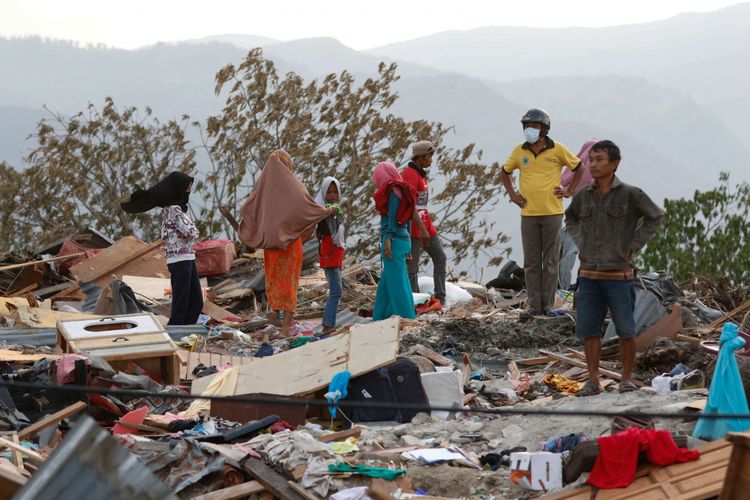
(90, 464)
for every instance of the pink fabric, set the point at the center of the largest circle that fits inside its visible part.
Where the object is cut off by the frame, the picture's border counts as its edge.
(583, 155)
(66, 366)
(384, 172)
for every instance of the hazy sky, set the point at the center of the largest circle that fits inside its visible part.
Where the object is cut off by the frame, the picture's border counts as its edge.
(358, 24)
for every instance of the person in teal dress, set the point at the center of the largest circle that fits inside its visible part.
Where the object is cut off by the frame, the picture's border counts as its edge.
(395, 202)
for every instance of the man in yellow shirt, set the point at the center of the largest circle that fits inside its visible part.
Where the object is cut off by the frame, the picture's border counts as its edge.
(540, 161)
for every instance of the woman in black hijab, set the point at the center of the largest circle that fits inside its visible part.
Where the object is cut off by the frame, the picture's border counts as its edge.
(178, 234)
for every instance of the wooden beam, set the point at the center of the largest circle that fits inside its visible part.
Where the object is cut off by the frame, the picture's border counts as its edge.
(729, 315)
(273, 482)
(51, 420)
(582, 364)
(121, 262)
(33, 262)
(342, 435)
(234, 492)
(18, 449)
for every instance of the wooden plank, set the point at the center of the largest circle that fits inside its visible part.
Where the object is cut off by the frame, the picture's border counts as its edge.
(16, 447)
(312, 366)
(542, 360)
(269, 478)
(17, 456)
(36, 317)
(728, 316)
(119, 340)
(582, 364)
(10, 481)
(34, 262)
(51, 420)
(6, 355)
(302, 491)
(110, 259)
(234, 492)
(341, 435)
(431, 355)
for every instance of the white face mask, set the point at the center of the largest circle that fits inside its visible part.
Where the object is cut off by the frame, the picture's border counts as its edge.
(531, 134)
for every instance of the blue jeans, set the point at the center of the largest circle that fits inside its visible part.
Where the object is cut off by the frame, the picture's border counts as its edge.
(594, 297)
(335, 290)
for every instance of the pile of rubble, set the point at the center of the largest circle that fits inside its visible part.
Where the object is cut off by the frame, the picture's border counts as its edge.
(90, 314)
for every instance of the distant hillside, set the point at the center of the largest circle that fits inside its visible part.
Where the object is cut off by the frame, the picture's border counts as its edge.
(16, 123)
(704, 55)
(672, 143)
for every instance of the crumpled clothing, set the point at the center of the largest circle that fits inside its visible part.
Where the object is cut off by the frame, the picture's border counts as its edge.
(389, 474)
(617, 462)
(280, 426)
(358, 493)
(563, 384)
(565, 443)
(177, 463)
(289, 448)
(316, 477)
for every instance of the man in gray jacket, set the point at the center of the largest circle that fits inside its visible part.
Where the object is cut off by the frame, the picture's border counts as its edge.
(609, 221)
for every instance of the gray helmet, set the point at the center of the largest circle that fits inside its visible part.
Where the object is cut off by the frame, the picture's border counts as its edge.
(537, 115)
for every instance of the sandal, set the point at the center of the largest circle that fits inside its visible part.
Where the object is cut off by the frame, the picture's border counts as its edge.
(589, 389)
(627, 386)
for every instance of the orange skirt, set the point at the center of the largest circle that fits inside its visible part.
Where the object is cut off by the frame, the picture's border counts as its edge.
(283, 269)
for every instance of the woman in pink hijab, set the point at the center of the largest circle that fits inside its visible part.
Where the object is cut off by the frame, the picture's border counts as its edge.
(394, 201)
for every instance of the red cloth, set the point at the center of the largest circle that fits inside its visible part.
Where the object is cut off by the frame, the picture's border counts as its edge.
(617, 462)
(330, 254)
(419, 184)
(408, 199)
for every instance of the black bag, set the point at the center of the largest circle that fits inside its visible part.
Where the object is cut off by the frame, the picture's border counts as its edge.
(406, 384)
(398, 382)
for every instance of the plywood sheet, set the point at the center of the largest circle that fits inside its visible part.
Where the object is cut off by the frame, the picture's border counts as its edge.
(151, 264)
(153, 288)
(189, 360)
(312, 366)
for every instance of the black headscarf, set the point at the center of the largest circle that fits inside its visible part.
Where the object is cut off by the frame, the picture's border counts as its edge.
(171, 190)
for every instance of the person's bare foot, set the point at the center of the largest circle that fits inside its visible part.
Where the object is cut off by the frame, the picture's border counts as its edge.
(273, 318)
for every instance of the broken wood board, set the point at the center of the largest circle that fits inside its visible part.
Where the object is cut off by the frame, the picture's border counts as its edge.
(311, 367)
(154, 288)
(8, 356)
(128, 256)
(431, 355)
(35, 262)
(272, 480)
(217, 312)
(234, 492)
(728, 316)
(16, 447)
(10, 479)
(355, 431)
(37, 317)
(667, 326)
(189, 360)
(582, 364)
(51, 420)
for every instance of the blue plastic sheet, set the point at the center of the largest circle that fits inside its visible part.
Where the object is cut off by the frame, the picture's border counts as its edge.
(337, 390)
(726, 394)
